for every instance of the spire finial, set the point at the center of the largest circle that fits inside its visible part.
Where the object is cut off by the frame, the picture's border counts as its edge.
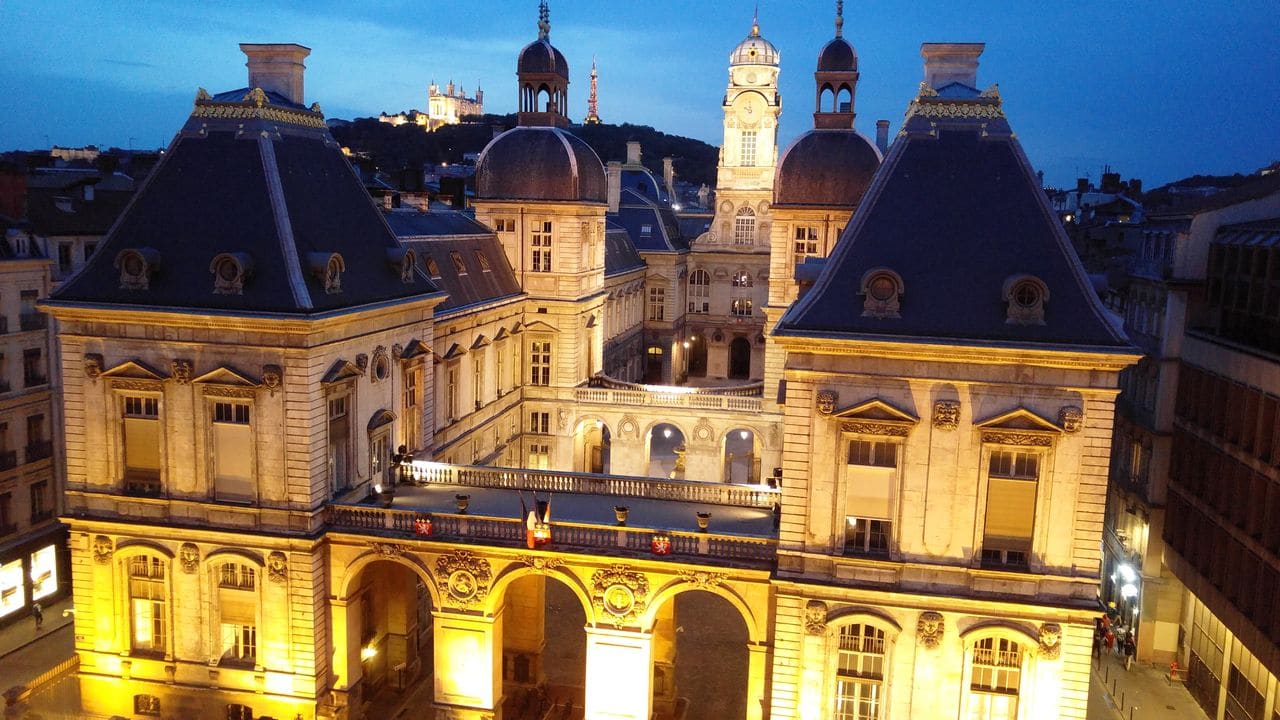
(755, 22)
(839, 18)
(544, 21)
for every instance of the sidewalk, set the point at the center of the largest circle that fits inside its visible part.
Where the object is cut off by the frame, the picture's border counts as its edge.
(22, 633)
(1143, 692)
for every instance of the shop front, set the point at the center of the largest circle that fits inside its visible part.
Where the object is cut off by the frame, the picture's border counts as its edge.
(33, 569)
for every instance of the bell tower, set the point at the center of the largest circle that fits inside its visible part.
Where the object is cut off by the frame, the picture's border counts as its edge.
(543, 75)
(835, 80)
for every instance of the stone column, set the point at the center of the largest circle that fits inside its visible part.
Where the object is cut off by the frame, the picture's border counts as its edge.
(619, 675)
(468, 665)
(346, 649)
(757, 664)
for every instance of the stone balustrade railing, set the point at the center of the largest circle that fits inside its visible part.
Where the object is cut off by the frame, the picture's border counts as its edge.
(433, 473)
(571, 537)
(658, 398)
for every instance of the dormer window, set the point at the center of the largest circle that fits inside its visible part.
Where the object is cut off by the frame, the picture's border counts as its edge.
(230, 270)
(483, 260)
(1026, 296)
(327, 268)
(136, 266)
(458, 264)
(433, 269)
(883, 290)
(401, 260)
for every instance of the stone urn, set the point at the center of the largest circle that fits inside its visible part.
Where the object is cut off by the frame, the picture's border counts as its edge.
(462, 501)
(620, 512)
(704, 519)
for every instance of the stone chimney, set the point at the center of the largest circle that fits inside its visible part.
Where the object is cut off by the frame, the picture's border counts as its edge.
(614, 171)
(277, 67)
(945, 63)
(882, 136)
(633, 152)
(669, 177)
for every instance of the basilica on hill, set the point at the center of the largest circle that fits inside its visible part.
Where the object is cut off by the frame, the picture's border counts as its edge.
(842, 454)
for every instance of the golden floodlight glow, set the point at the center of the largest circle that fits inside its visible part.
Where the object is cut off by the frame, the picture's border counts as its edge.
(368, 652)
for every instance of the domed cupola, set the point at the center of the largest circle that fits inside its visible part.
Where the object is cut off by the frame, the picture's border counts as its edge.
(755, 50)
(836, 79)
(540, 163)
(543, 74)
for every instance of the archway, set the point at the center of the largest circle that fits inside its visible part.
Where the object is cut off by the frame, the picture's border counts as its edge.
(741, 456)
(594, 446)
(653, 364)
(698, 356)
(666, 452)
(701, 665)
(844, 99)
(388, 636)
(544, 649)
(740, 358)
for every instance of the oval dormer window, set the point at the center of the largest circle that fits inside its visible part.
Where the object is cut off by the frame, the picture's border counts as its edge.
(882, 290)
(136, 266)
(1026, 296)
(230, 270)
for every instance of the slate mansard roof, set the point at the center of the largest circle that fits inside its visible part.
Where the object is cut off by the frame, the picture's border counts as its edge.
(441, 241)
(256, 176)
(956, 212)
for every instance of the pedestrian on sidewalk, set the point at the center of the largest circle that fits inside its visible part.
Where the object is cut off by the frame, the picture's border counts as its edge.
(1130, 649)
(37, 612)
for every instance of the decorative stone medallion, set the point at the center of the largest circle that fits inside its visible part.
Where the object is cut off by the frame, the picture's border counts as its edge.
(619, 594)
(703, 432)
(826, 401)
(946, 415)
(930, 628)
(277, 567)
(103, 549)
(1071, 418)
(815, 617)
(181, 370)
(189, 557)
(466, 577)
(1050, 641)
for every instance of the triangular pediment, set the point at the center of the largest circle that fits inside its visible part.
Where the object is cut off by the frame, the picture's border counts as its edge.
(540, 326)
(455, 351)
(876, 409)
(517, 328)
(342, 370)
(414, 349)
(1020, 419)
(133, 370)
(226, 376)
(481, 341)
(501, 335)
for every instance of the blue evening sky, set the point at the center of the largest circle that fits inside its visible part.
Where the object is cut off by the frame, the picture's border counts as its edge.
(1159, 90)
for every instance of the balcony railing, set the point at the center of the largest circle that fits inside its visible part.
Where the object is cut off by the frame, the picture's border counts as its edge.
(39, 450)
(8, 459)
(713, 493)
(667, 398)
(678, 545)
(33, 321)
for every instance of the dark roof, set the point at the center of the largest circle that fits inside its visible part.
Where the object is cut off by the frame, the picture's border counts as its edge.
(955, 211)
(273, 97)
(540, 56)
(826, 167)
(268, 183)
(636, 212)
(644, 182)
(693, 225)
(540, 163)
(412, 224)
(66, 212)
(1261, 233)
(620, 255)
(837, 56)
(476, 285)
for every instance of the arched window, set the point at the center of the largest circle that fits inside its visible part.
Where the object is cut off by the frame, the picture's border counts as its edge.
(995, 679)
(148, 605)
(699, 292)
(744, 227)
(860, 666)
(237, 614)
(741, 302)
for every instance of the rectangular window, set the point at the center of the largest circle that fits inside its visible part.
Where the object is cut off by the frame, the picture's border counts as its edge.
(504, 225)
(41, 507)
(871, 477)
(410, 403)
(741, 306)
(995, 680)
(141, 443)
(499, 369)
(748, 147)
(64, 259)
(148, 605)
(7, 525)
(541, 244)
(540, 362)
(239, 644)
(477, 381)
(657, 303)
(451, 392)
(860, 673)
(539, 456)
(806, 243)
(1011, 507)
(540, 423)
(744, 227)
(33, 367)
(231, 443)
(339, 444)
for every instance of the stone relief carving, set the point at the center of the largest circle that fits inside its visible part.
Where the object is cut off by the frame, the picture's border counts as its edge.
(362, 361)
(826, 401)
(1017, 438)
(277, 567)
(629, 428)
(1050, 641)
(872, 427)
(92, 366)
(562, 418)
(930, 628)
(181, 370)
(703, 578)
(815, 617)
(619, 594)
(389, 549)
(189, 557)
(541, 565)
(103, 549)
(703, 432)
(1071, 418)
(272, 376)
(946, 415)
(397, 351)
(467, 578)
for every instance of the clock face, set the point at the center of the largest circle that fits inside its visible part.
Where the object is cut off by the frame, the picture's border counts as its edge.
(752, 106)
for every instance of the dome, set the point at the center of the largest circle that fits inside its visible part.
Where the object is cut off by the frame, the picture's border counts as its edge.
(755, 50)
(837, 56)
(540, 163)
(540, 56)
(826, 167)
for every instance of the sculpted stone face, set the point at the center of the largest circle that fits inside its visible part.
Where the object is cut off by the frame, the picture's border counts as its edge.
(826, 401)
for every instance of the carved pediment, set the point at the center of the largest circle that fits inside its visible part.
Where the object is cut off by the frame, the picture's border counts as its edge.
(481, 341)
(876, 417)
(133, 370)
(414, 349)
(341, 370)
(517, 328)
(1018, 426)
(226, 376)
(455, 351)
(502, 334)
(540, 326)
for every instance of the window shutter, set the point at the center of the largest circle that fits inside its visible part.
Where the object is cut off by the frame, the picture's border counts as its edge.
(237, 607)
(232, 453)
(1011, 510)
(869, 491)
(142, 444)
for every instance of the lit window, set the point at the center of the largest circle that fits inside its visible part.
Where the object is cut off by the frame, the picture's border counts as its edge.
(148, 604)
(232, 445)
(871, 477)
(806, 243)
(541, 243)
(740, 302)
(657, 303)
(860, 673)
(699, 292)
(744, 227)
(141, 443)
(1011, 507)
(748, 147)
(995, 679)
(540, 362)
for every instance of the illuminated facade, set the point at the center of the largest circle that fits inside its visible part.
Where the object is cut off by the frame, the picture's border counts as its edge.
(248, 538)
(451, 106)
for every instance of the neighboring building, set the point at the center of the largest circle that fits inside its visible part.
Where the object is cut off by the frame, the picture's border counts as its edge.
(733, 255)
(33, 558)
(1104, 223)
(70, 211)
(452, 106)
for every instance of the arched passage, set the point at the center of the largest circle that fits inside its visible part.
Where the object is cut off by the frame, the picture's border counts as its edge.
(844, 99)
(666, 451)
(388, 635)
(740, 358)
(701, 666)
(544, 644)
(698, 355)
(592, 447)
(741, 456)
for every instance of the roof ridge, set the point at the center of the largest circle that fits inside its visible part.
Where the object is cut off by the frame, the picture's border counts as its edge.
(284, 228)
